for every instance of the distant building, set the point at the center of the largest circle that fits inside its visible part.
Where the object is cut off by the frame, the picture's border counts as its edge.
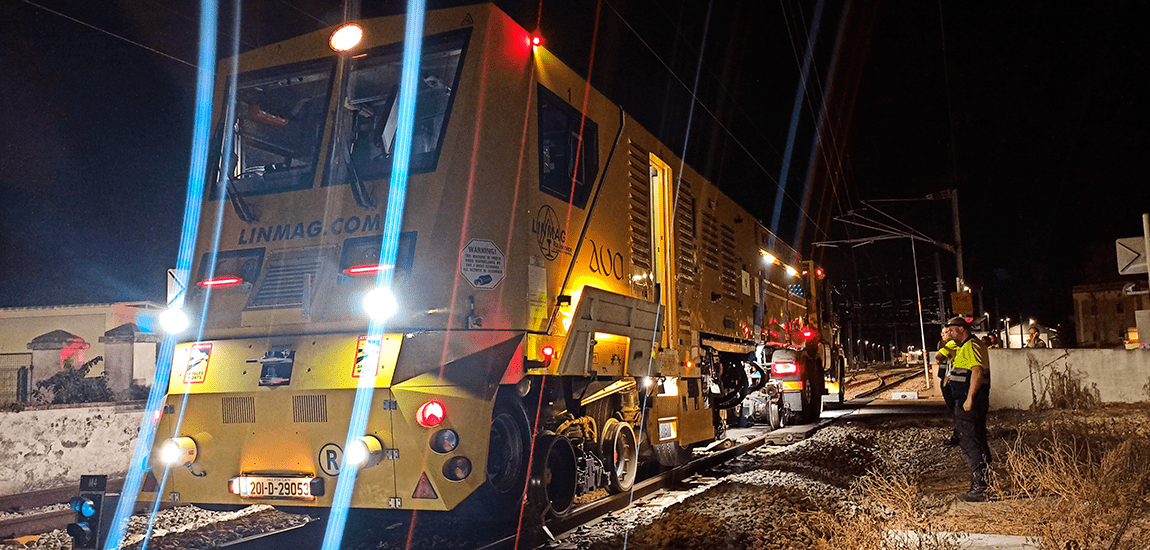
(1104, 314)
(36, 341)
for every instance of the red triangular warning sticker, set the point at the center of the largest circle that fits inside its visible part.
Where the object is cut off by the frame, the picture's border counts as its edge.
(423, 489)
(467, 20)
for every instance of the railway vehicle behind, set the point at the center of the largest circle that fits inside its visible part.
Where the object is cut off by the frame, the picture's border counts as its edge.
(569, 299)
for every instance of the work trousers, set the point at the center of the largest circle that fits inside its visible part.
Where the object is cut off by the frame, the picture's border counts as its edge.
(971, 427)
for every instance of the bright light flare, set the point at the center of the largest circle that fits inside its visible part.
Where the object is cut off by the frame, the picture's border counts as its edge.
(790, 270)
(380, 303)
(346, 37)
(174, 320)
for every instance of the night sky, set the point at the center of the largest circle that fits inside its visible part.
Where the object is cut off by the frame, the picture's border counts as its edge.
(1029, 109)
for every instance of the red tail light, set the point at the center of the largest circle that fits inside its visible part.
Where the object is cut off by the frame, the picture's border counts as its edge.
(807, 334)
(780, 369)
(221, 281)
(362, 269)
(430, 414)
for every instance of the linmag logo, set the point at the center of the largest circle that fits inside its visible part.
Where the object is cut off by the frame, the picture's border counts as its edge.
(546, 228)
(309, 230)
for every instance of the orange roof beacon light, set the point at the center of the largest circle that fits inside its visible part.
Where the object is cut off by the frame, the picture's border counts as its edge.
(346, 37)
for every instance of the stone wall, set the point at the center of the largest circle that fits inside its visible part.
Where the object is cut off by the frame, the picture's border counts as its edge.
(53, 447)
(1068, 378)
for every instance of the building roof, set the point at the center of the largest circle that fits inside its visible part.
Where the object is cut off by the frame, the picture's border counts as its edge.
(57, 339)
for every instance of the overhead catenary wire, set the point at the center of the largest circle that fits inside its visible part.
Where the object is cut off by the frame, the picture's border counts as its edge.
(718, 122)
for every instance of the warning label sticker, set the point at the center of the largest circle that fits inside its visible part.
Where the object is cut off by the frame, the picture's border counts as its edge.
(198, 357)
(482, 264)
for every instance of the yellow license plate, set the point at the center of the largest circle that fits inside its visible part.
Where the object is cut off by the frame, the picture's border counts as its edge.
(275, 487)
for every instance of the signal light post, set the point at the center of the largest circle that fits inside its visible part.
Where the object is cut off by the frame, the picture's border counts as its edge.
(91, 526)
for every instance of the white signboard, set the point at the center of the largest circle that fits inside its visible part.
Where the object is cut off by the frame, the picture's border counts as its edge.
(1131, 255)
(482, 264)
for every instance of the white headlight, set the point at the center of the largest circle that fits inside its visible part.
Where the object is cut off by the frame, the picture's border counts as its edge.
(365, 452)
(179, 450)
(174, 320)
(380, 303)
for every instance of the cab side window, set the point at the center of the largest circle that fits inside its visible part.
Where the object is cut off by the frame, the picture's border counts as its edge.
(568, 150)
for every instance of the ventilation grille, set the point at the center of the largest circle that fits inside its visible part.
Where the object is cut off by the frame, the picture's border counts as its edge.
(710, 236)
(238, 410)
(729, 276)
(309, 408)
(285, 282)
(685, 235)
(686, 254)
(639, 177)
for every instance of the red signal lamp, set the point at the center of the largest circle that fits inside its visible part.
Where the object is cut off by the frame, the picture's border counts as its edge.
(220, 282)
(536, 40)
(807, 334)
(430, 414)
(548, 354)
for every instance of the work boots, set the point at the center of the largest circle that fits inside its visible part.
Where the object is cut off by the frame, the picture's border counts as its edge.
(978, 488)
(951, 441)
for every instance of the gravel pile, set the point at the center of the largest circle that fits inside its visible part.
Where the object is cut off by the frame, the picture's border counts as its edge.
(767, 499)
(188, 527)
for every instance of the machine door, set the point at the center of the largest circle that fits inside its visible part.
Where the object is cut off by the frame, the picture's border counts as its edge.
(662, 238)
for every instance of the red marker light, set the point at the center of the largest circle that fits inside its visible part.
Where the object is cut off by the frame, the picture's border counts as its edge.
(536, 40)
(430, 414)
(820, 273)
(548, 353)
(220, 281)
(807, 334)
(362, 269)
(779, 369)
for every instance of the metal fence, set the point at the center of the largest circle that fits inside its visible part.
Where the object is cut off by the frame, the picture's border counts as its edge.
(15, 370)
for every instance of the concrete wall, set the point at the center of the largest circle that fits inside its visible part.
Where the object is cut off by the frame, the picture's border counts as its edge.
(50, 448)
(1069, 377)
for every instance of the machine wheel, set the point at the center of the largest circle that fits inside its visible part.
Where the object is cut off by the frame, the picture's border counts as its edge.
(553, 472)
(620, 449)
(508, 457)
(777, 414)
(812, 396)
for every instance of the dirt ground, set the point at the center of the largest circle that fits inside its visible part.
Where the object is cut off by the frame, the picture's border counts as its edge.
(1069, 479)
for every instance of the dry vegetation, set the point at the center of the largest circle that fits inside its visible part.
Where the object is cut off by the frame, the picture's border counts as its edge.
(1068, 479)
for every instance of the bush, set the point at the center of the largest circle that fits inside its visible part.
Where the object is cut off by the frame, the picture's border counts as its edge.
(137, 392)
(72, 385)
